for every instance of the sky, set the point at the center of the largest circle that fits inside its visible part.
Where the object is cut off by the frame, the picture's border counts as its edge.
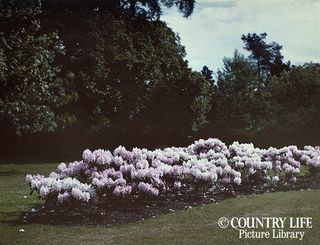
(214, 29)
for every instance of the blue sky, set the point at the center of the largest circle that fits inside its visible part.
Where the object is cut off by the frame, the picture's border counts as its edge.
(214, 30)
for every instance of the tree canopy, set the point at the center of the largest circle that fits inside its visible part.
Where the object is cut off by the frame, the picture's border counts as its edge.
(112, 69)
(268, 56)
(151, 9)
(32, 90)
(108, 69)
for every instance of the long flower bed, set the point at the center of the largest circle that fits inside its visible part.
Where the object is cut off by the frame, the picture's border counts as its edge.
(104, 176)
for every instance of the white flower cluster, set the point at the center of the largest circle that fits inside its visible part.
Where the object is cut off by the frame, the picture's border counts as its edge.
(311, 156)
(103, 175)
(63, 188)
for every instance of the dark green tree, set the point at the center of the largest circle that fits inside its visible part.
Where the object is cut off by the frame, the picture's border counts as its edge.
(236, 97)
(151, 9)
(268, 57)
(179, 106)
(110, 49)
(292, 105)
(32, 94)
(123, 66)
(208, 74)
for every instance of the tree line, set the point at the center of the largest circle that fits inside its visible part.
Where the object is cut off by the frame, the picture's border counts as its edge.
(110, 72)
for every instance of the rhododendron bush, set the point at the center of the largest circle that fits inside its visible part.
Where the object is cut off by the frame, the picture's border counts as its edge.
(104, 176)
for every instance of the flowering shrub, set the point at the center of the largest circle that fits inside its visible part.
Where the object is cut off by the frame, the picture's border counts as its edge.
(103, 176)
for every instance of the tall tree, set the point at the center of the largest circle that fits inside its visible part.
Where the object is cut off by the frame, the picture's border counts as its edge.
(237, 89)
(32, 94)
(268, 56)
(126, 66)
(151, 9)
(129, 73)
(179, 106)
(292, 102)
(208, 74)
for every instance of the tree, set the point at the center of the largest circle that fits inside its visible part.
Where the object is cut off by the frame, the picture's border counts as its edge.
(126, 69)
(129, 73)
(32, 92)
(207, 73)
(110, 55)
(292, 105)
(178, 107)
(236, 97)
(268, 56)
(151, 9)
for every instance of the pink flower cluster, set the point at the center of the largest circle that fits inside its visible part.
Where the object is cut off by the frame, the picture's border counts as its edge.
(103, 175)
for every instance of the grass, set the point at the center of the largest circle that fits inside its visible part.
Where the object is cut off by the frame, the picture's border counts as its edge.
(192, 226)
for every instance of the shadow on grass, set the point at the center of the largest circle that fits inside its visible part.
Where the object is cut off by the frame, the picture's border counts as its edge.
(17, 217)
(112, 214)
(11, 218)
(129, 212)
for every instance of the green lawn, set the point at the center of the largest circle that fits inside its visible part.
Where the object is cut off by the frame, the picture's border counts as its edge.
(193, 226)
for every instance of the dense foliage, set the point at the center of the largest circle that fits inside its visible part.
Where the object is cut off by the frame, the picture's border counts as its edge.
(112, 69)
(268, 57)
(150, 9)
(292, 103)
(32, 90)
(103, 176)
(266, 109)
(125, 70)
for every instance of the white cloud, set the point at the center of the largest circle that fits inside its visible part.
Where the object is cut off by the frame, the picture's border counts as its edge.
(214, 29)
